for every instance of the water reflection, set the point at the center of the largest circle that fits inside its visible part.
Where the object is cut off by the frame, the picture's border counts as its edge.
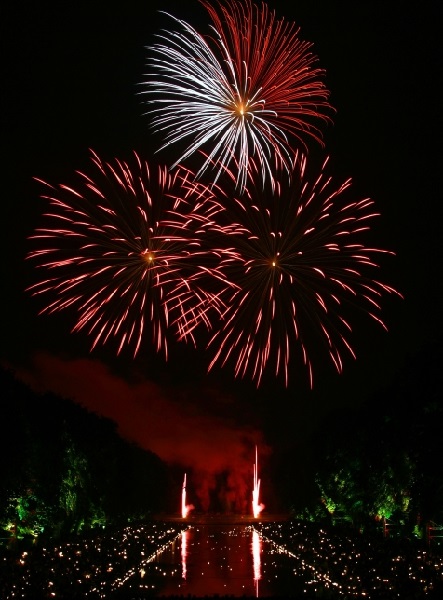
(214, 560)
(210, 559)
(184, 543)
(256, 560)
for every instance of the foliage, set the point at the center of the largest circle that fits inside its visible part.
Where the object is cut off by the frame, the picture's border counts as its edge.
(67, 469)
(380, 463)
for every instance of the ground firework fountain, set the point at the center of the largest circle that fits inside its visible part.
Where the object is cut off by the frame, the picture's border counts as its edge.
(186, 508)
(257, 507)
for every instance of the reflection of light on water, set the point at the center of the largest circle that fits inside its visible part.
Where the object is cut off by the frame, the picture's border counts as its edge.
(256, 560)
(184, 543)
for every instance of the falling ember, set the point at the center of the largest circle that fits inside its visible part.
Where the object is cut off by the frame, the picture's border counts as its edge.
(256, 506)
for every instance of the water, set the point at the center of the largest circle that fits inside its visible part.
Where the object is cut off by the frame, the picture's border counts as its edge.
(209, 559)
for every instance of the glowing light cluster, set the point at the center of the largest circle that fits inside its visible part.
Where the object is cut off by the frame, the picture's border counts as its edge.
(139, 560)
(87, 568)
(351, 567)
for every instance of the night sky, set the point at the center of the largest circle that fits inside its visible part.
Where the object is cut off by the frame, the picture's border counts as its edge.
(70, 78)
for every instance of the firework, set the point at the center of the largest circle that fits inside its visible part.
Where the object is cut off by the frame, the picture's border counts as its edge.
(184, 507)
(128, 251)
(305, 267)
(251, 89)
(257, 507)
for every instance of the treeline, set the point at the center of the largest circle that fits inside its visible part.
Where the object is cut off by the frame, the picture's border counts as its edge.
(64, 470)
(380, 465)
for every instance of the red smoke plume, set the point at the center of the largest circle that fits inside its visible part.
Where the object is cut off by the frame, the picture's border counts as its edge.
(217, 452)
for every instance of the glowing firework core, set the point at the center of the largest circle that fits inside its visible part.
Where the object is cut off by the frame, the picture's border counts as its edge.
(148, 256)
(241, 109)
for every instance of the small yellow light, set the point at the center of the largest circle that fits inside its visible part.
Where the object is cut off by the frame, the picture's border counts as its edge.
(148, 256)
(241, 109)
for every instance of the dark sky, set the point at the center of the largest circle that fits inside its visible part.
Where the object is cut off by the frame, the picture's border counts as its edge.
(69, 82)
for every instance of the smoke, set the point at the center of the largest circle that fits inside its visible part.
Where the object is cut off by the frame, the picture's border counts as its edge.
(197, 431)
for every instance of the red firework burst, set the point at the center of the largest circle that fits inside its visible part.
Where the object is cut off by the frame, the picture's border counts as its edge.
(129, 251)
(304, 265)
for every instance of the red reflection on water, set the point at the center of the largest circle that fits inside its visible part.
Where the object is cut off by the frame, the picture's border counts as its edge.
(215, 558)
(256, 559)
(184, 546)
